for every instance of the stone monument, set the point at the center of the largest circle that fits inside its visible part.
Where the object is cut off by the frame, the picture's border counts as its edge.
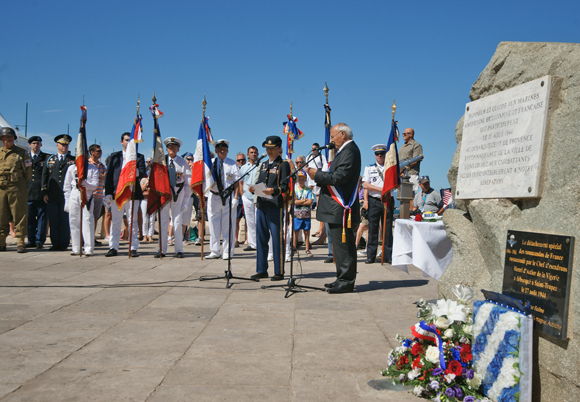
(478, 228)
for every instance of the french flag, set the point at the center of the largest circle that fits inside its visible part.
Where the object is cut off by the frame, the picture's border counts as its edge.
(201, 175)
(392, 179)
(82, 156)
(159, 188)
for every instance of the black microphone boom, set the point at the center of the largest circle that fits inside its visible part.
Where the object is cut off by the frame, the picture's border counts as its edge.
(327, 146)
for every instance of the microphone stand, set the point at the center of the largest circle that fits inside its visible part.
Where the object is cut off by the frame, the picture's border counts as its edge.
(292, 286)
(228, 192)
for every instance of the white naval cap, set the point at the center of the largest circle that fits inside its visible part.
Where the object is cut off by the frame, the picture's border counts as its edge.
(222, 143)
(380, 148)
(172, 141)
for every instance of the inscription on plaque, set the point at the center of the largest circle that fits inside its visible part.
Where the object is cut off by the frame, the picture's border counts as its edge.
(538, 269)
(503, 139)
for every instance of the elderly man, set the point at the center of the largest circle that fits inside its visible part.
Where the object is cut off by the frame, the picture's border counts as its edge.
(225, 173)
(37, 219)
(95, 160)
(248, 197)
(373, 180)
(339, 205)
(53, 175)
(427, 200)
(411, 149)
(15, 172)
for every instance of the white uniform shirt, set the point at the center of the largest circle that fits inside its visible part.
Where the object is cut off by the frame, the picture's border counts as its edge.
(374, 175)
(319, 162)
(232, 172)
(182, 173)
(70, 183)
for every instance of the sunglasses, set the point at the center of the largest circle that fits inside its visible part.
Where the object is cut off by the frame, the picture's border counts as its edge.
(380, 153)
(240, 160)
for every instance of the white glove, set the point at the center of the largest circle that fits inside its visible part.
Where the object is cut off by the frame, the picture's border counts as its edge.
(83, 183)
(109, 199)
(66, 207)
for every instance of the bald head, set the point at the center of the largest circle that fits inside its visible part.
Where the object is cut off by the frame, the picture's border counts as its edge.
(408, 134)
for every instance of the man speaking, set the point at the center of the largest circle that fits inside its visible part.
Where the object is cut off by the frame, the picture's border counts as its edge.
(339, 206)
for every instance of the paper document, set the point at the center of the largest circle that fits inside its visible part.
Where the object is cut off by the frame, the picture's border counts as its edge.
(259, 191)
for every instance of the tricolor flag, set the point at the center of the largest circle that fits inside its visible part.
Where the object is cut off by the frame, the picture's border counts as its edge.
(447, 198)
(82, 156)
(159, 187)
(201, 174)
(391, 177)
(128, 174)
(293, 134)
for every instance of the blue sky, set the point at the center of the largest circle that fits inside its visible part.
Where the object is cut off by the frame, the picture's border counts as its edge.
(251, 58)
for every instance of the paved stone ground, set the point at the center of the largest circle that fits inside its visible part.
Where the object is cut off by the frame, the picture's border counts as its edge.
(144, 329)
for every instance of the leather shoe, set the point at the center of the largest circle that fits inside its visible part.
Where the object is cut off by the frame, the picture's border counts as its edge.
(30, 245)
(279, 277)
(2, 248)
(20, 249)
(249, 249)
(179, 255)
(38, 245)
(134, 254)
(341, 289)
(98, 243)
(63, 248)
(331, 285)
(54, 248)
(370, 261)
(111, 253)
(157, 255)
(329, 260)
(259, 275)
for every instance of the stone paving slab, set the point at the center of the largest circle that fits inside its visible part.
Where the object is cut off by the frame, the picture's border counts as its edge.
(145, 329)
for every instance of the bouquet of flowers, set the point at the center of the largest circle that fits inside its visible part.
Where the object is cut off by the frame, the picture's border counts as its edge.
(437, 359)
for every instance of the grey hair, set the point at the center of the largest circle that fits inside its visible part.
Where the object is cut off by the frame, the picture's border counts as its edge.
(300, 157)
(241, 153)
(344, 127)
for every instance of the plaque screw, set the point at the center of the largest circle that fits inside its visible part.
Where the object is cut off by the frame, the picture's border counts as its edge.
(458, 193)
(567, 241)
(468, 108)
(529, 189)
(542, 84)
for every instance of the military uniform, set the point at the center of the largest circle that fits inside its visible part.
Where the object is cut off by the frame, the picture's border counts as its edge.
(53, 175)
(15, 172)
(37, 219)
(269, 211)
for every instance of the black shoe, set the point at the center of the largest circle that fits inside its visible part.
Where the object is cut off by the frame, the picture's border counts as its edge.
(179, 255)
(20, 249)
(134, 254)
(341, 289)
(249, 249)
(259, 275)
(30, 245)
(111, 253)
(54, 248)
(38, 245)
(331, 285)
(63, 248)
(370, 261)
(277, 278)
(157, 255)
(329, 260)
(2, 248)
(98, 243)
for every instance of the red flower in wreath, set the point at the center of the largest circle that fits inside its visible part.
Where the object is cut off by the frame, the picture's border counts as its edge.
(417, 362)
(465, 353)
(418, 349)
(401, 362)
(454, 368)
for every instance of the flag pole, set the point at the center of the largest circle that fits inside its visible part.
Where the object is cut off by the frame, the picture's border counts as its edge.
(388, 204)
(154, 99)
(134, 185)
(328, 124)
(202, 202)
(83, 122)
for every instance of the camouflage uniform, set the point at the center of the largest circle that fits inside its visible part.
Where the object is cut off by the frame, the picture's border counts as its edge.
(15, 173)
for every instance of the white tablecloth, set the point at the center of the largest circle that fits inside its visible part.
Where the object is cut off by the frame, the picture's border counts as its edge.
(422, 244)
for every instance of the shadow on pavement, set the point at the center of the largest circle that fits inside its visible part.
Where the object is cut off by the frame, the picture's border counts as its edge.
(378, 285)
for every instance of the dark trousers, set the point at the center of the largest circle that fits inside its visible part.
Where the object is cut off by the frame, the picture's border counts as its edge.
(37, 221)
(376, 216)
(268, 221)
(328, 240)
(344, 254)
(59, 224)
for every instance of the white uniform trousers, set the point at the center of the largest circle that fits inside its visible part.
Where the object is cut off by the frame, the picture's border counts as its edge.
(187, 212)
(250, 214)
(74, 212)
(176, 216)
(218, 224)
(117, 222)
(148, 227)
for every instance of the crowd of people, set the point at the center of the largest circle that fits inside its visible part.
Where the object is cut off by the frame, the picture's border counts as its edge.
(275, 197)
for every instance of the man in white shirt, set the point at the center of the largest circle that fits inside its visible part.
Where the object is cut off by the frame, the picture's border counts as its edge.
(179, 180)
(248, 197)
(225, 173)
(72, 205)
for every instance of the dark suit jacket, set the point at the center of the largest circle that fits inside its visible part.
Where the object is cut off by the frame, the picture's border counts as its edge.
(343, 173)
(53, 173)
(114, 171)
(274, 178)
(35, 183)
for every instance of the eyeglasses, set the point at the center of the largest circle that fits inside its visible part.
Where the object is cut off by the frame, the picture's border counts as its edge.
(98, 151)
(240, 160)
(380, 153)
(189, 160)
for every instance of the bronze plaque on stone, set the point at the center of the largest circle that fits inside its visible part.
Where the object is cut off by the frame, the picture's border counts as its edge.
(538, 269)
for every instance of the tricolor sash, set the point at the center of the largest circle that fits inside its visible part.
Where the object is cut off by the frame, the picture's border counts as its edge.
(337, 196)
(425, 332)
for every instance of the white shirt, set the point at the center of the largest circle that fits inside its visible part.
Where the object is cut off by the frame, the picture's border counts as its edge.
(374, 175)
(183, 174)
(231, 172)
(70, 183)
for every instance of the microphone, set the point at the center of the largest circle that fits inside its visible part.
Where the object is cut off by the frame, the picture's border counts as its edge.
(327, 146)
(262, 157)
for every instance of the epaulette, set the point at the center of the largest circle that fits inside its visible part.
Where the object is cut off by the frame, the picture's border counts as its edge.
(371, 165)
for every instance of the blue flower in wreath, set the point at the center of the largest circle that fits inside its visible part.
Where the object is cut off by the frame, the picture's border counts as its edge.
(456, 355)
(407, 343)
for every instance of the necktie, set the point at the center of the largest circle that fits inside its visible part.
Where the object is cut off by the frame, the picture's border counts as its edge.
(172, 174)
(34, 158)
(222, 173)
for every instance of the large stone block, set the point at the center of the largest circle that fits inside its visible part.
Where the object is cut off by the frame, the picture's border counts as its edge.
(478, 228)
